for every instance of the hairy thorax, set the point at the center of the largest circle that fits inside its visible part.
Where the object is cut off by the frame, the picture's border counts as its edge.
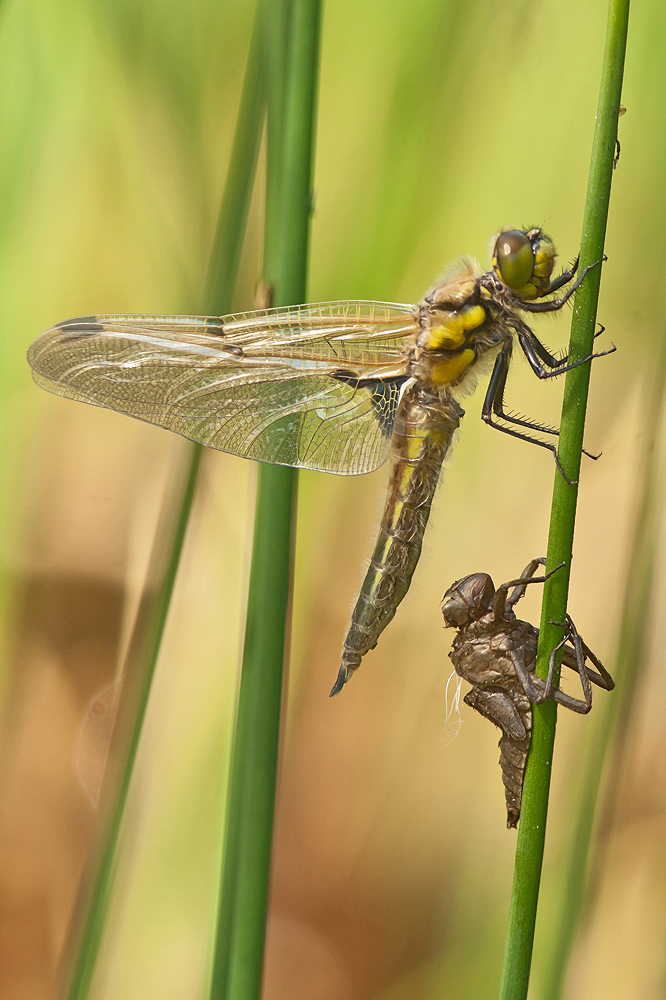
(461, 322)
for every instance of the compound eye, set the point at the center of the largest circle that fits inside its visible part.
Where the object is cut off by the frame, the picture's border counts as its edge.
(513, 258)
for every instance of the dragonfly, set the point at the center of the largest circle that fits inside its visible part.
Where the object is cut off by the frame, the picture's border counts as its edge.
(496, 653)
(338, 387)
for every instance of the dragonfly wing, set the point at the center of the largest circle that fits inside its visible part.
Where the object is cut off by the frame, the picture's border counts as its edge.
(304, 404)
(354, 331)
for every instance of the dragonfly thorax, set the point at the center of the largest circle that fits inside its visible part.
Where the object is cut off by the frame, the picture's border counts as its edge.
(460, 322)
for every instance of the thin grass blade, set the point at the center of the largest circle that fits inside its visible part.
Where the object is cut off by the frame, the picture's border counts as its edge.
(148, 629)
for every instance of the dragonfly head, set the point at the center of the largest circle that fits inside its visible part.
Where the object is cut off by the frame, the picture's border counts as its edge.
(523, 260)
(467, 600)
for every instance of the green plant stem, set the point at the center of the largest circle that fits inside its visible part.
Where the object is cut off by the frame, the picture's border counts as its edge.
(531, 834)
(235, 206)
(579, 881)
(139, 670)
(148, 629)
(239, 947)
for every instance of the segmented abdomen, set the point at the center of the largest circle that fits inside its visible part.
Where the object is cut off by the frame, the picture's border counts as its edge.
(510, 709)
(513, 758)
(424, 428)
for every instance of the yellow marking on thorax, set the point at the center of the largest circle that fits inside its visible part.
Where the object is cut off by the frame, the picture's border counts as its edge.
(448, 369)
(452, 333)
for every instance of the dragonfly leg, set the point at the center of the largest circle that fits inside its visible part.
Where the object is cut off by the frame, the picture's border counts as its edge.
(493, 405)
(534, 687)
(538, 357)
(519, 585)
(564, 278)
(500, 600)
(574, 657)
(498, 394)
(550, 359)
(528, 342)
(539, 691)
(532, 425)
(539, 349)
(606, 682)
(602, 679)
(555, 304)
(567, 700)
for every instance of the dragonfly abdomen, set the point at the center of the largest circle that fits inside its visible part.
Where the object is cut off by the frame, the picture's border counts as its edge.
(424, 428)
(511, 711)
(513, 758)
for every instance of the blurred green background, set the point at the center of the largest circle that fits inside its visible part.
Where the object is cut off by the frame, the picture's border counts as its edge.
(439, 123)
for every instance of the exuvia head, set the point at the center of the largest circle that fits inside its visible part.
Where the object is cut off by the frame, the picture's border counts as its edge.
(523, 260)
(467, 600)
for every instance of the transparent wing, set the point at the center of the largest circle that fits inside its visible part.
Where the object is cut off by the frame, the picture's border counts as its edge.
(314, 386)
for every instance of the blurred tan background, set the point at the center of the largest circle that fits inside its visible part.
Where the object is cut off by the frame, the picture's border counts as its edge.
(439, 123)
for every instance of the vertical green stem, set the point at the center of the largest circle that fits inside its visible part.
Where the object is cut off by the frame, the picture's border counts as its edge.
(613, 723)
(239, 948)
(531, 834)
(139, 669)
(146, 639)
(235, 206)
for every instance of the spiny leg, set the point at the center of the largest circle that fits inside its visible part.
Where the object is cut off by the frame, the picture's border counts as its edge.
(564, 278)
(497, 384)
(520, 585)
(536, 355)
(493, 404)
(539, 357)
(532, 425)
(555, 304)
(540, 349)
